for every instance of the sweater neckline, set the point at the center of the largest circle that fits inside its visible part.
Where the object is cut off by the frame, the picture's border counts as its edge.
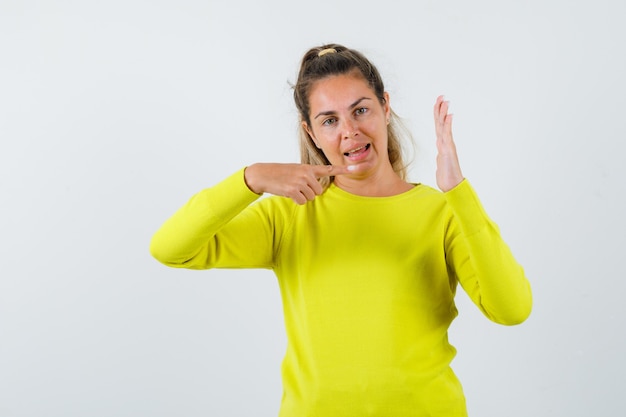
(334, 189)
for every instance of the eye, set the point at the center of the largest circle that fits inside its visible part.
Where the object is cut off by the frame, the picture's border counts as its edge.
(360, 111)
(329, 121)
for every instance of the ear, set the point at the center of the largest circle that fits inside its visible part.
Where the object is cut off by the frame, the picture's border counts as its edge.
(387, 107)
(308, 130)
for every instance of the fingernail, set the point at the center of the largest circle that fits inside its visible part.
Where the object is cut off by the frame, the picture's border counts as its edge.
(351, 167)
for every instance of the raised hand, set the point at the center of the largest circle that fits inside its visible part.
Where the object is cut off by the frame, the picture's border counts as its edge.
(296, 181)
(448, 168)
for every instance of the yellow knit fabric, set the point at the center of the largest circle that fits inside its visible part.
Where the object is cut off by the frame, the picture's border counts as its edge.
(367, 284)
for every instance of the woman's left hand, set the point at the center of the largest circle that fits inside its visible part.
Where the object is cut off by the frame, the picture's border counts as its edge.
(448, 168)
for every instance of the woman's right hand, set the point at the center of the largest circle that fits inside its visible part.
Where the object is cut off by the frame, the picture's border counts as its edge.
(295, 181)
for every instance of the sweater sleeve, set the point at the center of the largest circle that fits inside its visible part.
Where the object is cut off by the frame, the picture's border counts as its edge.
(483, 262)
(217, 228)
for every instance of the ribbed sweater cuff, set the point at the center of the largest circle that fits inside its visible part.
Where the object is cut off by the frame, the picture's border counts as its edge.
(467, 208)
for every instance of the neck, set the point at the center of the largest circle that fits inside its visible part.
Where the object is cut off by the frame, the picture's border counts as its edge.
(374, 185)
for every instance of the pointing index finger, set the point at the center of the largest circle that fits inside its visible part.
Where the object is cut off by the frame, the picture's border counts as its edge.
(332, 170)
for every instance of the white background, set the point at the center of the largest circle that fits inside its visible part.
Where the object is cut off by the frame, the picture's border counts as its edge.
(112, 114)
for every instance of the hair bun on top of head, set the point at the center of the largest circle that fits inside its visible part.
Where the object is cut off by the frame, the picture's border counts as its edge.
(327, 51)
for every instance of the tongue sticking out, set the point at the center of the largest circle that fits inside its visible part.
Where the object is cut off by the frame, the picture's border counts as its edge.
(358, 151)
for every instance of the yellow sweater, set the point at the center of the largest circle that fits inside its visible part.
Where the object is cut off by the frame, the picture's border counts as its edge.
(367, 285)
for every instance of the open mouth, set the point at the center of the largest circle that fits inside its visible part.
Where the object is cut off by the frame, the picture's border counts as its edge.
(357, 151)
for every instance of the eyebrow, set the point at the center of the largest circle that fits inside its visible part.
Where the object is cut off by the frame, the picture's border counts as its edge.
(351, 106)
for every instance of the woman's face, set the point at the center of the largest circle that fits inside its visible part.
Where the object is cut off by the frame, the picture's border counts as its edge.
(348, 122)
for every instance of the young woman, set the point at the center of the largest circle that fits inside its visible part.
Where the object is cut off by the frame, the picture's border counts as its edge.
(367, 262)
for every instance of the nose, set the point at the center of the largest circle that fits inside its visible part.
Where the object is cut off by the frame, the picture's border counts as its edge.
(349, 129)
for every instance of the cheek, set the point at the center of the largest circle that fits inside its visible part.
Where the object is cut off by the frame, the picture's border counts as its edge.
(378, 131)
(373, 125)
(331, 150)
(327, 142)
